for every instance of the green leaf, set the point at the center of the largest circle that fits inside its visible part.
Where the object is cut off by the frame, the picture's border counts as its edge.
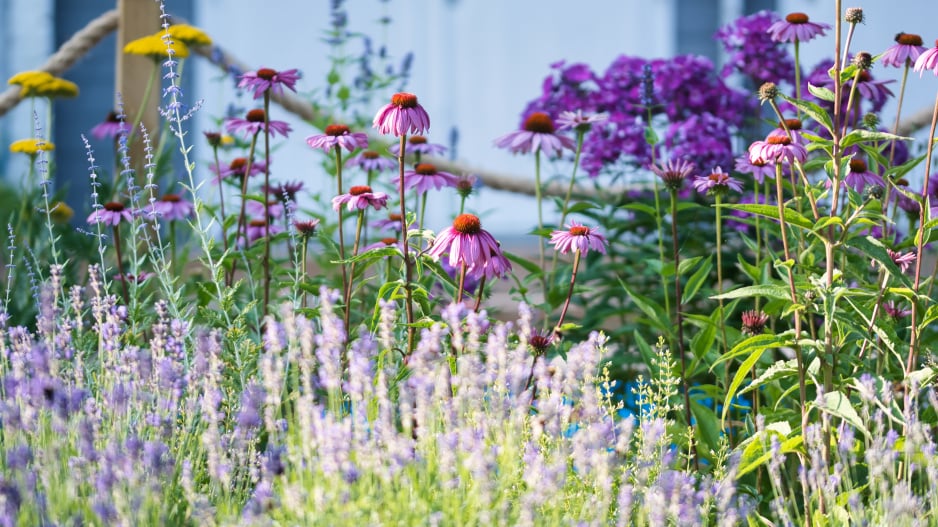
(868, 136)
(651, 309)
(780, 370)
(757, 452)
(687, 263)
(527, 265)
(792, 217)
(641, 207)
(767, 290)
(873, 248)
(821, 92)
(740, 376)
(708, 429)
(697, 280)
(580, 206)
(813, 111)
(839, 405)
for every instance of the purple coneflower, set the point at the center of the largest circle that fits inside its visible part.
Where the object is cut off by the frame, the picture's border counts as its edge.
(578, 237)
(257, 229)
(238, 167)
(360, 197)
(537, 134)
(172, 207)
(674, 173)
(902, 260)
(796, 27)
(759, 168)
(540, 342)
(717, 182)
(928, 60)
(274, 208)
(338, 135)
(112, 213)
(111, 127)
(143, 276)
(254, 123)
(392, 222)
(418, 144)
(285, 192)
(860, 176)
(793, 127)
(306, 228)
(369, 160)
(269, 79)
(895, 311)
(778, 148)
(754, 322)
(425, 176)
(904, 52)
(579, 121)
(382, 243)
(467, 243)
(404, 115)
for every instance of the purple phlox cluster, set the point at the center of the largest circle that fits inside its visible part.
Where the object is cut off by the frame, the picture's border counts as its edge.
(253, 123)
(578, 238)
(425, 176)
(796, 27)
(904, 52)
(267, 79)
(928, 60)
(753, 52)
(704, 138)
(566, 88)
(537, 134)
(360, 197)
(717, 182)
(338, 136)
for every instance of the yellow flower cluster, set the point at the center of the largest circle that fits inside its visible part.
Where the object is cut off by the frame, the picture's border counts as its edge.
(31, 146)
(60, 212)
(181, 35)
(43, 84)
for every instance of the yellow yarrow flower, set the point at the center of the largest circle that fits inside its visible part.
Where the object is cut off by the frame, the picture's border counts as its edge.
(155, 47)
(43, 84)
(188, 35)
(31, 146)
(60, 212)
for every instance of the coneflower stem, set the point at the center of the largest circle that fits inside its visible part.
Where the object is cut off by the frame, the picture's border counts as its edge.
(920, 240)
(462, 281)
(266, 201)
(409, 305)
(479, 296)
(242, 217)
(423, 209)
(895, 127)
(540, 219)
(566, 200)
(120, 264)
(174, 269)
(221, 199)
(338, 174)
(303, 266)
(718, 196)
(566, 303)
(348, 291)
(677, 310)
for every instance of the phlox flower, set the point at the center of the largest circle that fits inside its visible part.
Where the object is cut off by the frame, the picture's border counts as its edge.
(796, 28)
(467, 243)
(265, 79)
(360, 197)
(579, 238)
(536, 134)
(338, 136)
(404, 115)
(253, 123)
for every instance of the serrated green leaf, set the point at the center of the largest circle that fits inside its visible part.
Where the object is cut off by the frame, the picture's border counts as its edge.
(864, 136)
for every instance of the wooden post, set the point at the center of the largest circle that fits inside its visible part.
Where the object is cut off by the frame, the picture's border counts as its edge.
(137, 18)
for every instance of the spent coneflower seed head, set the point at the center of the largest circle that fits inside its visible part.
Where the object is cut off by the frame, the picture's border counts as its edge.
(873, 192)
(871, 121)
(768, 92)
(539, 343)
(854, 15)
(863, 60)
(754, 322)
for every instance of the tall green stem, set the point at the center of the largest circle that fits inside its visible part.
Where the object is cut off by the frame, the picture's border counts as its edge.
(540, 219)
(348, 290)
(408, 294)
(338, 174)
(719, 228)
(242, 228)
(266, 202)
(566, 303)
(679, 316)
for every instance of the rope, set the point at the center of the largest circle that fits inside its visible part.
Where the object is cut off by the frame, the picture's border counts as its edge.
(89, 36)
(71, 50)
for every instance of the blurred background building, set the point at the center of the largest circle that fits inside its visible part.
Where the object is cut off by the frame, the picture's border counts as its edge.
(476, 64)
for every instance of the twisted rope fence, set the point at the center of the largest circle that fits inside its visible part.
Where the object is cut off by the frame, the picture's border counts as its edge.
(96, 30)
